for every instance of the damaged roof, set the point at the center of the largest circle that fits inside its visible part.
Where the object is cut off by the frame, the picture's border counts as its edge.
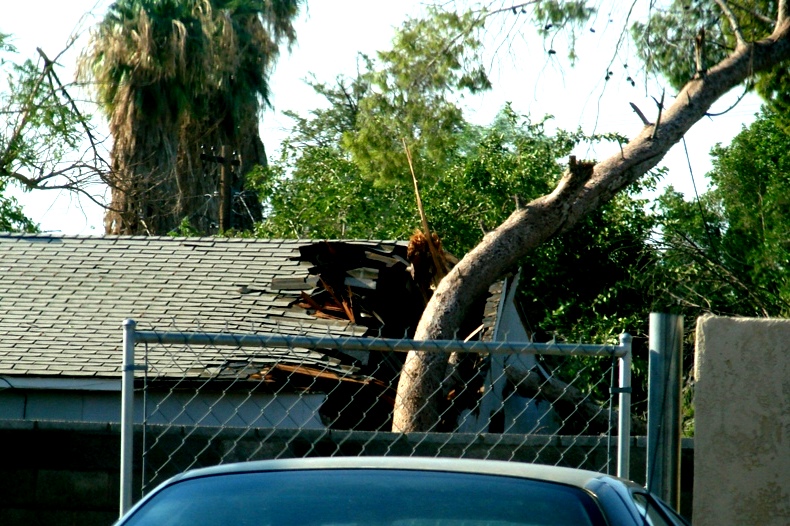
(63, 298)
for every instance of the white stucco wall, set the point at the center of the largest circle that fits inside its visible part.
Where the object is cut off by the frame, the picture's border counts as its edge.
(742, 422)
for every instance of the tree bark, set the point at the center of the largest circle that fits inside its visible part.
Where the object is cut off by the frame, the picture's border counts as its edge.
(417, 401)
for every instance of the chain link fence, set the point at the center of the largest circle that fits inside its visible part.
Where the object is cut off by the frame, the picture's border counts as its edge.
(211, 398)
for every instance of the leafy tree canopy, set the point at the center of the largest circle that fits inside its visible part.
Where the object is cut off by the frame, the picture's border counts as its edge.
(38, 130)
(12, 217)
(728, 252)
(317, 190)
(685, 38)
(320, 188)
(408, 95)
(41, 126)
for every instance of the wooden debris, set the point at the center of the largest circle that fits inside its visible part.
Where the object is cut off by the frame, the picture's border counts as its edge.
(368, 286)
(294, 283)
(372, 286)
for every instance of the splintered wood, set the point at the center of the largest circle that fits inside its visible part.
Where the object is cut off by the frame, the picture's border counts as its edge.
(365, 284)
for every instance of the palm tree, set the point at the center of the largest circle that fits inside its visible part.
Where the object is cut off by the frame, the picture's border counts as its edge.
(172, 76)
(247, 37)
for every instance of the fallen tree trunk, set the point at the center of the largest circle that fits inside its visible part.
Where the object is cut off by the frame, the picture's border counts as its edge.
(577, 194)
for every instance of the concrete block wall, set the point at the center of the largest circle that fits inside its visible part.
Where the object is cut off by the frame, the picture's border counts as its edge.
(742, 422)
(57, 475)
(67, 474)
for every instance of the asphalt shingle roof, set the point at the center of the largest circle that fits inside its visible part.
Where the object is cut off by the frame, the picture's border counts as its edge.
(63, 299)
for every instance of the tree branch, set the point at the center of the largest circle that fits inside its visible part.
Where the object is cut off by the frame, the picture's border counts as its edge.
(72, 184)
(549, 215)
(660, 106)
(734, 104)
(514, 8)
(82, 120)
(699, 51)
(753, 12)
(736, 27)
(730, 277)
(641, 115)
(6, 158)
(27, 157)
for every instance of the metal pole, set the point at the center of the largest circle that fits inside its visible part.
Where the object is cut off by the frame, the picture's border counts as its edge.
(665, 373)
(377, 344)
(224, 191)
(624, 424)
(127, 415)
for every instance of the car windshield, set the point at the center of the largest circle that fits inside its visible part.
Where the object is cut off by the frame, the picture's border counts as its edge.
(369, 497)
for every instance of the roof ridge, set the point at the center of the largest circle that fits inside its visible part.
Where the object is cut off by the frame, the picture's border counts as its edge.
(45, 235)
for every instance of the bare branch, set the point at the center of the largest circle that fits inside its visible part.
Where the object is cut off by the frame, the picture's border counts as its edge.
(728, 275)
(734, 104)
(784, 12)
(641, 115)
(33, 153)
(83, 121)
(736, 27)
(660, 105)
(753, 12)
(699, 51)
(72, 184)
(515, 8)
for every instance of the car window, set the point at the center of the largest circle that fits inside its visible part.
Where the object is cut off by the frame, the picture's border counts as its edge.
(655, 512)
(369, 497)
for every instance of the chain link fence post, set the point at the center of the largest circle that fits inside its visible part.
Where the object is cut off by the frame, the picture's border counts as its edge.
(127, 415)
(624, 427)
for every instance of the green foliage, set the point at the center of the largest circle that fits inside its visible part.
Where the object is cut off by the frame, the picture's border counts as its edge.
(585, 285)
(39, 129)
(774, 90)
(12, 218)
(555, 16)
(728, 253)
(687, 410)
(753, 187)
(409, 92)
(495, 170)
(320, 194)
(317, 190)
(666, 43)
(185, 229)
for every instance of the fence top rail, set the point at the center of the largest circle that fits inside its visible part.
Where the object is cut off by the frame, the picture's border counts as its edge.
(382, 344)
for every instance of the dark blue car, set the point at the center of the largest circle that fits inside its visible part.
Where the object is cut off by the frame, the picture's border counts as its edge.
(394, 491)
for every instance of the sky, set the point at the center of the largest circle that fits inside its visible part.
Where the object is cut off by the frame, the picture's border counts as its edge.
(331, 33)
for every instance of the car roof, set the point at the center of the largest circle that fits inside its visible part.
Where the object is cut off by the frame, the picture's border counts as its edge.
(562, 475)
